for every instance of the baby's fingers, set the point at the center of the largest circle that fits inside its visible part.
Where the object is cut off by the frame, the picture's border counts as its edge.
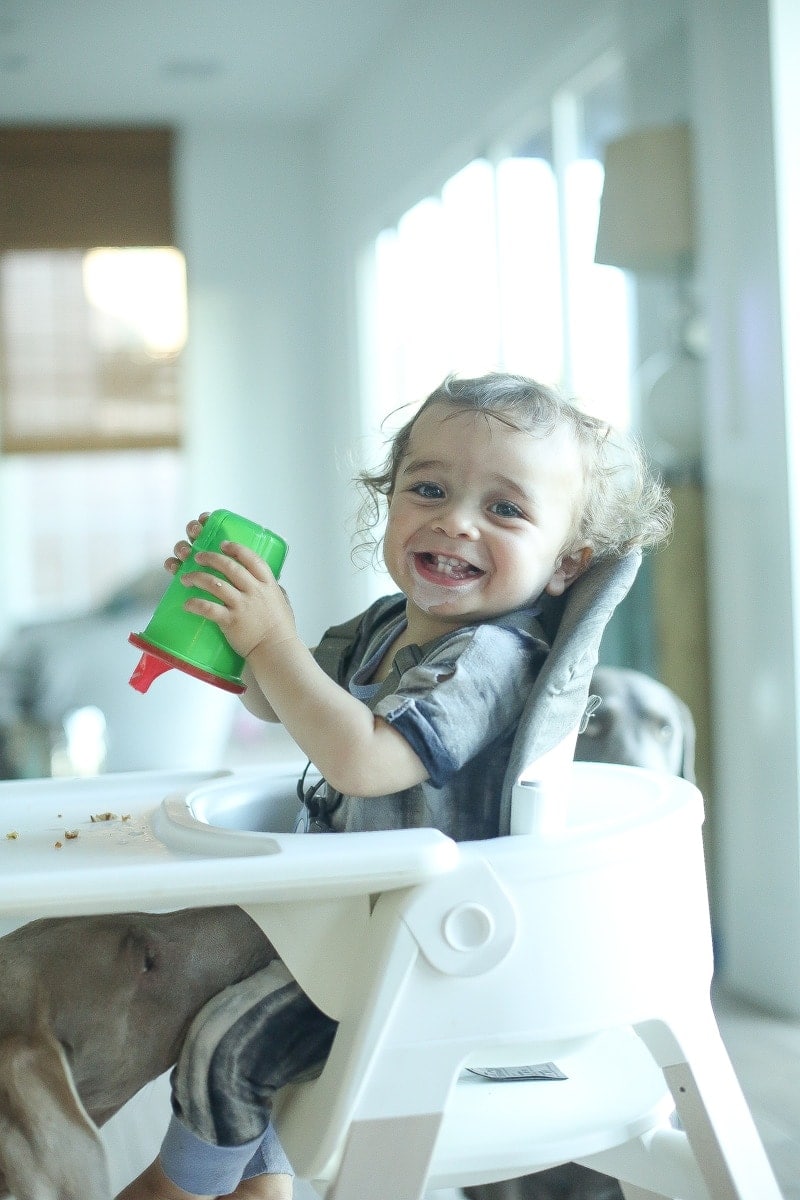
(216, 577)
(183, 548)
(180, 553)
(248, 559)
(195, 528)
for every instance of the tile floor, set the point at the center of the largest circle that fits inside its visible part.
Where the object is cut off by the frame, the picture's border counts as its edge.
(765, 1051)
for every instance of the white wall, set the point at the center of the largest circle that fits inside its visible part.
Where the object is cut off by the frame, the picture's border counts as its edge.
(693, 68)
(248, 207)
(751, 530)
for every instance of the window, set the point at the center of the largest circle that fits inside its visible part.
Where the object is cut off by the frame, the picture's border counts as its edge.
(89, 348)
(90, 345)
(78, 525)
(92, 325)
(497, 271)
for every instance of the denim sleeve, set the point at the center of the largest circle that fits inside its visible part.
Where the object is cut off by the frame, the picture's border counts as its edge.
(451, 705)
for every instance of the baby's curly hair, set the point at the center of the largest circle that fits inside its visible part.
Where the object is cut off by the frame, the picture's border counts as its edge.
(623, 503)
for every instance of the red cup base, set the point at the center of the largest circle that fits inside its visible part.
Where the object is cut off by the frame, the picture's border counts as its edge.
(155, 662)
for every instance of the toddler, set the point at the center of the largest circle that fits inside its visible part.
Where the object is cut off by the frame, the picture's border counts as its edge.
(497, 491)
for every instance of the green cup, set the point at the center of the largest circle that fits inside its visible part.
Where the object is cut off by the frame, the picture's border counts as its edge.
(193, 644)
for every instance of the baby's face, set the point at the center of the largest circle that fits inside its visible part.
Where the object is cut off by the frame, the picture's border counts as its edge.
(479, 516)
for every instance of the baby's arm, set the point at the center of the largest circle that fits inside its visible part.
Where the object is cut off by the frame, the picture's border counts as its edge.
(359, 754)
(254, 699)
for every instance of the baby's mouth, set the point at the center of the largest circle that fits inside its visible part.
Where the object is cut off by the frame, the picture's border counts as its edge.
(445, 568)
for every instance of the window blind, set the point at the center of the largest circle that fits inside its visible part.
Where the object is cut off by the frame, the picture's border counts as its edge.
(66, 188)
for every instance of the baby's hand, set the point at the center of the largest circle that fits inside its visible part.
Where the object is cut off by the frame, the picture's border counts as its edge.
(184, 548)
(249, 606)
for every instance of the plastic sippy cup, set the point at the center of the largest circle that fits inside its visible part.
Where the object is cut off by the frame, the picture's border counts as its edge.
(176, 638)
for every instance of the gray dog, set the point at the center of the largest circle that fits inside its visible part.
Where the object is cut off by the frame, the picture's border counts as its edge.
(92, 1009)
(638, 723)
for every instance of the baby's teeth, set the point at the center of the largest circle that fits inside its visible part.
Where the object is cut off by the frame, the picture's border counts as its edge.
(447, 565)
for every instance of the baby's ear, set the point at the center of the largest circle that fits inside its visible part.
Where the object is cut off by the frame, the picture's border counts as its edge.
(568, 568)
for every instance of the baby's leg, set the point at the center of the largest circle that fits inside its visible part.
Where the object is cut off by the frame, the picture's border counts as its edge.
(153, 1184)
(242, 1046)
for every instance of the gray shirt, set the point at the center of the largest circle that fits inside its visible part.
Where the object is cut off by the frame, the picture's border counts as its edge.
(456, 700)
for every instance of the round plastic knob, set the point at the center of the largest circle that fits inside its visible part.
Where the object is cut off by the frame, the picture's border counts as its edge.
(468, 927)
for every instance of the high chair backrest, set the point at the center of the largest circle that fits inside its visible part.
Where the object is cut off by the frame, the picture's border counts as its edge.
(574, 623)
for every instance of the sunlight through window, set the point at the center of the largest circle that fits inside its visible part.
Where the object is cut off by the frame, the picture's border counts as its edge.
(497, 272)
(91, 419)
(138, 298)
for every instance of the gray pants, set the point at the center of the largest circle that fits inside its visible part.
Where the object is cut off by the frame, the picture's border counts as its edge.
(246, 1042)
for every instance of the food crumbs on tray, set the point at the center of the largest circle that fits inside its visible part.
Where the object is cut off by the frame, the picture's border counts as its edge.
(106, 816)
(57, 845)
(126, 816)
(70, 834)
(12, 836)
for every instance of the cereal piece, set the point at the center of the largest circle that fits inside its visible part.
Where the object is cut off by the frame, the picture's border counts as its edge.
(12, 836)
(58, 845)
(70, 834)
(105, 816)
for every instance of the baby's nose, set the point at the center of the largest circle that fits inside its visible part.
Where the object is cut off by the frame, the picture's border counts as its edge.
(458, 522)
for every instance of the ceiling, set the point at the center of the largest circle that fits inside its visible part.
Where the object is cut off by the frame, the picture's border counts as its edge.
(172, 61)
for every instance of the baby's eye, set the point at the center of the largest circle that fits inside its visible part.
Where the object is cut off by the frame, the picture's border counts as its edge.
(504, 508)
(428, 491)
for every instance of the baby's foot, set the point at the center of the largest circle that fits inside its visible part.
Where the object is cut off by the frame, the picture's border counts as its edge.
(264, 1187)
(153, 1184)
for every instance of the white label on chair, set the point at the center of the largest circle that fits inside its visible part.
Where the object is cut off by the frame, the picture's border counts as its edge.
(509, 1074)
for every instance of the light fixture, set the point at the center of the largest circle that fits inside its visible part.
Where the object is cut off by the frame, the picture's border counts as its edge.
(647, 210)
(646, 226)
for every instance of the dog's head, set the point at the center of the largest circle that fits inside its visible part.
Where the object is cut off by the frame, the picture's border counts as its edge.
(638, 723)
(91, 1009)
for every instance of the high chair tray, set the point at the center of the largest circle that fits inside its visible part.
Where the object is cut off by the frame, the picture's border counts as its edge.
(106, 845)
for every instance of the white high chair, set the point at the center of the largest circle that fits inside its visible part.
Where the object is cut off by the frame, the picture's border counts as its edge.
(581, 941)
(588, 949)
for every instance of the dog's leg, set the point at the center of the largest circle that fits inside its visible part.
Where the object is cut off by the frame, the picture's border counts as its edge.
(49, 1146)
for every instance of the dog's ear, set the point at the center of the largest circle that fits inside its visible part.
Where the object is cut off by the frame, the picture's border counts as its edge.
(49, 1146)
